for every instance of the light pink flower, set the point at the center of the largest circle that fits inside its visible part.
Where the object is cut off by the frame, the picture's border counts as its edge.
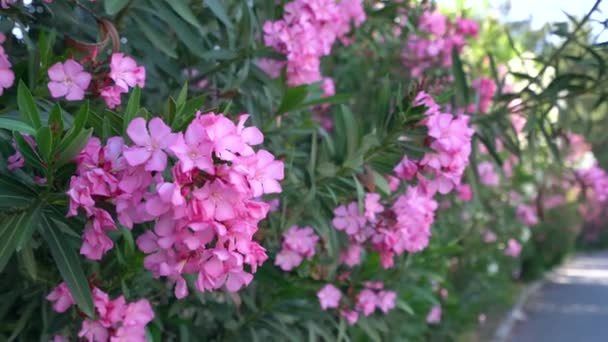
(347, 218)
(149, 147)
(513, 248)
(125, 72)
(434, 316)
(111, 96)
(329, 297)
(68, 79)
(62, 298)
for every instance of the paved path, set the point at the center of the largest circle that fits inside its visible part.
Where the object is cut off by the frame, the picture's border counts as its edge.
(571, 306)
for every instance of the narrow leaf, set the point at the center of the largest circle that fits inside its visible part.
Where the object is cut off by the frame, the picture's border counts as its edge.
(68, 263)
(27, 106)
(18, 126)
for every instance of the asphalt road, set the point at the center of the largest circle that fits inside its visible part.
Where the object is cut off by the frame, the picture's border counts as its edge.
(571, 306)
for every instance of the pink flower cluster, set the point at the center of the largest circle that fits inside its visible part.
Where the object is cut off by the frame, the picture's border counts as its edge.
(596, 179)
(298, 243)
(7, 76)
(306, 33)
(527, 214)
(405, 226)
(513, 248)
(372, 297)
(116, 320)
(450, 139)
(202, 205)
(432, 48)
(70, 80)
(486, 88)
(126, 74)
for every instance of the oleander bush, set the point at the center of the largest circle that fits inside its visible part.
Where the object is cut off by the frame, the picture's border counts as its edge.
(286, 170)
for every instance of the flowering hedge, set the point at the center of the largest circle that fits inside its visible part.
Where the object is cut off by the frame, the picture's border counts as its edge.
(321, 169)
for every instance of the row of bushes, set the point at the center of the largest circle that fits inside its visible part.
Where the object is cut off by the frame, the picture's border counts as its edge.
(285, 170)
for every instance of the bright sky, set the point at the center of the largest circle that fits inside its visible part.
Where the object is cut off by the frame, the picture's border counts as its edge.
(542, 11)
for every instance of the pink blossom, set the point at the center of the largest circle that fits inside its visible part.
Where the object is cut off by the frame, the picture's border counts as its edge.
(329, 297)
(351, 316)
(527, 214)
(366, 302)
(352, 256)
(111, 96)
(487, 174)
(93, 331)
(59, 338)
(193, 149)
(386, 300)
(68, 79)
(62, 298)
(467, 27)
(298, 243)
(489, 236)
(125, 72)
(372, 206)
(393, 183)
(464, 192)
(406, 169)
(347, 218)
(434, 316)
(513, 248)
(7, 76)
(150, 147)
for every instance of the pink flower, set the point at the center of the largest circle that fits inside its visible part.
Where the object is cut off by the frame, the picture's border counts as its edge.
(464, 192)
(193, 149)
(406, 169)
(489, 236)
(68, 79)
(7, 76)
(125, 72)
(351, 316)
(347, 218)
(393, 183)
(513, 248)
(93, 331)
(372, 206)
(62, 298)
(59, 338)
(111, 96)
(487, 174)
(287, 259)
(150, 147)
(386, 300)
(329, 297)
(263, 173)
(366, 302)
(527, 214)
(434, 316)
(352, 256)
(467, 27)
(298, 243)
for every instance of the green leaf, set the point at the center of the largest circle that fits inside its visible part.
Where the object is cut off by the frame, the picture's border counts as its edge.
(27, 106)
(132, 108)
(9, 235)
(152, 34)
(79, 122)
(460, 78)
(220, 12)
(182, 97)
(292, 97)
(75, 146)
(183, 118)
(16, 230)
(112, 7)
(18, 126)
(31, 157)
(182, 8)
(68, 263)
(44, 140)
(381, 183)
(55, 122)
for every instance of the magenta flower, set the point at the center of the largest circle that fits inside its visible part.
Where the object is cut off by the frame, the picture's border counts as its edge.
(125, 72)
(7, 76)
(372, 206)
(347, 218)
(351, 316)
(62, 298)
(366, 302)
(149, 147)
(68, 79)
(434, 316)
(329, 297)
(513, 248)
(527, 214)
(263, 173)
(386, 300)
(111, 96)
(193, 149)
(287, 259)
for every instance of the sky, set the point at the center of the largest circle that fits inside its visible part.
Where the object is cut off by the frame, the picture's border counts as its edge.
(543, 11)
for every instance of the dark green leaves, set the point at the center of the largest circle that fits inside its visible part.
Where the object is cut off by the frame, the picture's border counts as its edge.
(292, 97)
(27, 106)
(462, 88)
(16, 229)
(219, 10)
(132, 108)
(18, 126)
(112, 7)
(68, 263)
